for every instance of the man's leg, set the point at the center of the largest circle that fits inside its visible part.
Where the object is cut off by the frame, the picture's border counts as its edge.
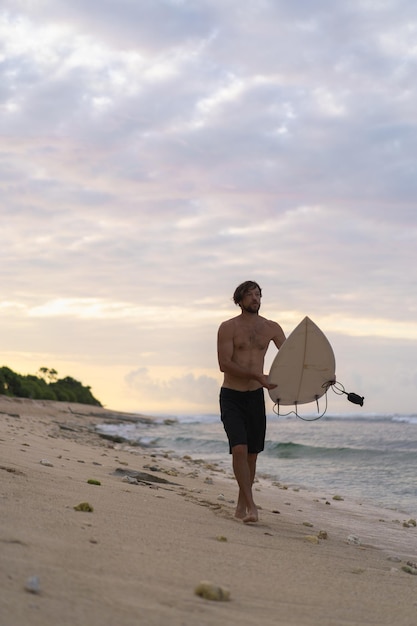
(244, 467)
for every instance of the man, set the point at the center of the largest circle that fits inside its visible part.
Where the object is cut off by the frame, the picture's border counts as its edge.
(242, 344)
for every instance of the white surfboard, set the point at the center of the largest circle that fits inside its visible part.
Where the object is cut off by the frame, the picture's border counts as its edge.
(303, 367)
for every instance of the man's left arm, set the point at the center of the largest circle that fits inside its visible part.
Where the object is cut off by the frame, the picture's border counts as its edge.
(279, 335)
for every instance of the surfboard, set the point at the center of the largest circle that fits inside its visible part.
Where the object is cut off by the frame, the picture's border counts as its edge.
(303, 367)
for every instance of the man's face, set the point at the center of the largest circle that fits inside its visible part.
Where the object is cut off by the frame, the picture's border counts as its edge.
(251, 301)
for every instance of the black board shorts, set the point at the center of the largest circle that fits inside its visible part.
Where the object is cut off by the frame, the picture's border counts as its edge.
(244, 419)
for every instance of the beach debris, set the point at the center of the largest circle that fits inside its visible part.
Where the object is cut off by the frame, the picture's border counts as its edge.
(208, 480)
(140, 477)
(213, 467)
(309, 524)
(117, 439)
(32, 585)
(394, 559)
(93, 481)
(130, 480)
(172, 472)
(337, 498)
(221, 497)
(221, 538)
(322, 534)
(84, 506)
(207, 590)
(278, 484)
(12, 470)
(312, 538)
(152, 468)
(409, 569)
(410, 523)
(276, 512)
(46, 462)
(354, 540)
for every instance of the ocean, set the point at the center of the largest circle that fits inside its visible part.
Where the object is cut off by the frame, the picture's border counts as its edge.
(370, 458)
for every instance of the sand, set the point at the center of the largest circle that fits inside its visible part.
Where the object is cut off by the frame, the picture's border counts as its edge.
(139, 555)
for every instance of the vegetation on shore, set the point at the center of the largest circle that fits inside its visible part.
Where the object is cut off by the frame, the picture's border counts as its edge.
(45, 385)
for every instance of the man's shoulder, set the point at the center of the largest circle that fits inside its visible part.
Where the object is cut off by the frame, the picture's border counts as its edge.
(265, 320)
(273, 327)
(270, 322)
(230, 322)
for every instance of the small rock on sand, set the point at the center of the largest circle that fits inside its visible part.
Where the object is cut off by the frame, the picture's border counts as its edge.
(85, 507)
(32, 585)
(209, 591)
(46, 462)
(354, 540)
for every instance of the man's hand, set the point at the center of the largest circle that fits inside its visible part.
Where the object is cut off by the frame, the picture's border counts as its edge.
(265, 382)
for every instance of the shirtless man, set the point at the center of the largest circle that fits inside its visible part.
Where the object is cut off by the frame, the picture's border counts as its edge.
(242, 344)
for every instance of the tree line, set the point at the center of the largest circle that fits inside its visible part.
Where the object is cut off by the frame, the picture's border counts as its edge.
(45, 385)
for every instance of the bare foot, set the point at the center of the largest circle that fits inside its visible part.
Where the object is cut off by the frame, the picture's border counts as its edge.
(251, 517)
(240, 512)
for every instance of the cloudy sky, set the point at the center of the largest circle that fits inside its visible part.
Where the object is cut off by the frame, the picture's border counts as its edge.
(156, 153)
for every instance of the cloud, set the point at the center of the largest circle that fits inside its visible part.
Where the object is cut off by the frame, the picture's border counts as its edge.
(189, 390)
(156, 154)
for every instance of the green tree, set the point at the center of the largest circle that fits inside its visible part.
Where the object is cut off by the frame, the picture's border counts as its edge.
(45, 386)
(50, 375)
(11, 382)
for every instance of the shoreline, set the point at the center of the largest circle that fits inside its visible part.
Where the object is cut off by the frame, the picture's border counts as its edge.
(138, 556)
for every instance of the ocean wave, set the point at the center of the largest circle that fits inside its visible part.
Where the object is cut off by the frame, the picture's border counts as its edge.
(368, 417)
(212, 418)
(405, 419)
(290, 451)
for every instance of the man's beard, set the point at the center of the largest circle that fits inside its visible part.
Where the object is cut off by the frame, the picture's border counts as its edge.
(252, 308)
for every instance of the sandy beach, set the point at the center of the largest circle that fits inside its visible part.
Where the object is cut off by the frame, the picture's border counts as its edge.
(160, 525)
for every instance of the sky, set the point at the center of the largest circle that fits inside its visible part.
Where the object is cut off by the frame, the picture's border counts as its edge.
(156, 153)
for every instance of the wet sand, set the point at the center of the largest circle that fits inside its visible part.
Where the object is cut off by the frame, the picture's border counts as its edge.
(137, 558)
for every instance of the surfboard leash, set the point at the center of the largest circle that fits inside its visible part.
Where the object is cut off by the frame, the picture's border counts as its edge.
(295, 412)
(338, 389)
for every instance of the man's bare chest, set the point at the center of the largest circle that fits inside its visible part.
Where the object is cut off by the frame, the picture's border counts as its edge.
(251, 339)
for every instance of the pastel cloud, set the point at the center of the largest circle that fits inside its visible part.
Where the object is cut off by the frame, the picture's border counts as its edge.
(155, 154)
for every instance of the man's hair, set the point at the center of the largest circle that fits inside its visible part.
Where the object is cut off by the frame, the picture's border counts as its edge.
(242, 289)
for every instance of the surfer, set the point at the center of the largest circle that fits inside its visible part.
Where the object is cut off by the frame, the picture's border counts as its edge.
(242, 343)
